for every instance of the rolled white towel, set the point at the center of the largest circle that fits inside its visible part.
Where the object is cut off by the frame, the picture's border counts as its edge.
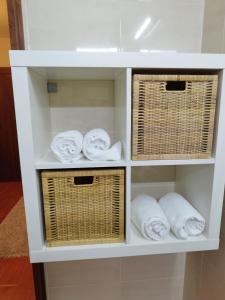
(96, 146)
(149, 218)
(67, 146)
(184, 219)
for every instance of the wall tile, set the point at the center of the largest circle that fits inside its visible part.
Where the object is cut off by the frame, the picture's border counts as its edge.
(175, 24)
(215, 261)
(161, 289)
(217, 258)
(83, 272)
(159, 276)
(87, 292)
(193, 273)
(152, 267)
(213, 40)
(157, 289)
(211, 285)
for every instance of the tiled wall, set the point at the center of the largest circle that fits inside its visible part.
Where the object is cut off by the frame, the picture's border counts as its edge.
(212, 284)
(213, 40)
(54, 24)
(192, 278)
(175, 25)
(205, 274)
(147, 277)
(205, 271)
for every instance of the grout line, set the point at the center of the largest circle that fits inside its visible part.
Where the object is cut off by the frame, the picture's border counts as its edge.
(84, 284)
(153, 279)
(199, 287)
(223, 37)
(120, 269)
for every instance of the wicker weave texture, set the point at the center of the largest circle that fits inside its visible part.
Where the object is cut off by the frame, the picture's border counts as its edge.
(173, 124)
(83, 213)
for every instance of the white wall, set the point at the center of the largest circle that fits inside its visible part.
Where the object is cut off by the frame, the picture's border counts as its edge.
(67, 25)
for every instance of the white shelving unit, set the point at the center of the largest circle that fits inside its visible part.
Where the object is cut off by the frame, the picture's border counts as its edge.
(40, 115)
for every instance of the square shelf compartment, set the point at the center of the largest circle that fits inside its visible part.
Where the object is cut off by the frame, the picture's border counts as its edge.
(173, 114)
(194, 182)
(76, 99)
(84, 206)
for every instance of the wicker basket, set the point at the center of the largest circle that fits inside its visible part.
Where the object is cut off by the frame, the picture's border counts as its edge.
(83, 206)
(173, 116)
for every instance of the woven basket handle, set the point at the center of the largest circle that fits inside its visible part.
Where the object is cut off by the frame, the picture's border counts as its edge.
(176, 86)
(83, 181)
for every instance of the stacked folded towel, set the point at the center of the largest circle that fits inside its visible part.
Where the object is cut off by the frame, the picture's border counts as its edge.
(97, 146)
(67, 146)
(184, 219)
(149, 218)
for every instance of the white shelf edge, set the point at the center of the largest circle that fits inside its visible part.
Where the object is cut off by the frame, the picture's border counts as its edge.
(122, 250)
(173, 162)
(31, 58)
(42, 165)
(46, 163)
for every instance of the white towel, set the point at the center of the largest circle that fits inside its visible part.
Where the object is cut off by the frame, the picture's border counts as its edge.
(67, 146)
(184, 219)
(96, 146)
(149, 218)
